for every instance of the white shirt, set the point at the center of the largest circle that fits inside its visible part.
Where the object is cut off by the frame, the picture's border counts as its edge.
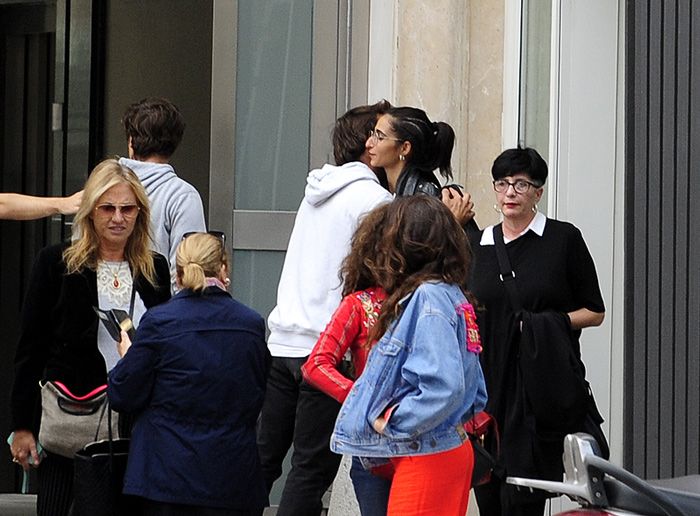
(536, 225)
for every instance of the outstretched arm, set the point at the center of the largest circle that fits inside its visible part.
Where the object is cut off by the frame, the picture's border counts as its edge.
(26, 207)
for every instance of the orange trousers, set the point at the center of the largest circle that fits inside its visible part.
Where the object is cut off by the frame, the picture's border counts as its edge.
(432, 485)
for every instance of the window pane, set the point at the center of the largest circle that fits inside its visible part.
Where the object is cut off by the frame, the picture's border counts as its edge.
(255, 277)
(535, 79)
(273, 89)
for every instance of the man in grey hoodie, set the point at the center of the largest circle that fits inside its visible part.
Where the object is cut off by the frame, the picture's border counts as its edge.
(154, 129)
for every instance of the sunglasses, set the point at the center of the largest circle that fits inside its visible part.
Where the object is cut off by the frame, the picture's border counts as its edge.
(109, 210)
(218, 234)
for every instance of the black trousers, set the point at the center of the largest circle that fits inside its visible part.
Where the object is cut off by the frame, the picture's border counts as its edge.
(55, 489)
(495, 499)
(294, 413)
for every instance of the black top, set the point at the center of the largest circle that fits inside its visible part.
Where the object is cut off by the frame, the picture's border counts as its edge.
(414, 181)
(552, 272)
(58, 334)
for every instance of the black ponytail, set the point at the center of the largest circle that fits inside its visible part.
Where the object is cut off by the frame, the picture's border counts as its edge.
(431, 142)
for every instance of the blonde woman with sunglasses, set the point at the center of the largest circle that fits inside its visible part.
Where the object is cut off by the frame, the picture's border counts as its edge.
(109, 266)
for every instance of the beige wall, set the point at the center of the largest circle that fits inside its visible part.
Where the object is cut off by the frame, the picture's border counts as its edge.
(449, 61)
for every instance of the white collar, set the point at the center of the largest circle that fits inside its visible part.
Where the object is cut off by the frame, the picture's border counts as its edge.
(536, 225)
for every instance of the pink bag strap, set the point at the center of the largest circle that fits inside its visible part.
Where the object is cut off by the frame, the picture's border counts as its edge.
(92, 394)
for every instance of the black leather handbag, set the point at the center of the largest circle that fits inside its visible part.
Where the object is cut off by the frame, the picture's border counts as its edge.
(98, 478)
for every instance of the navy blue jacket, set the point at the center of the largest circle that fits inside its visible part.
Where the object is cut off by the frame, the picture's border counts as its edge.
(195, 376)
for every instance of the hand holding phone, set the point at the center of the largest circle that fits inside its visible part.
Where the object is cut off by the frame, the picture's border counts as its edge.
(115, 321)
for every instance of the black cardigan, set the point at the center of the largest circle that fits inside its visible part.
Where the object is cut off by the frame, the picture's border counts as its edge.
(58, 334)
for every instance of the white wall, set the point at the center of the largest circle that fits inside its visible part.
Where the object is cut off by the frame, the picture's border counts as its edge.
(588, 146)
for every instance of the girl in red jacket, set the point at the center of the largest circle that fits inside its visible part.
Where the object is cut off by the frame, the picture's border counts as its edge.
(349, 329)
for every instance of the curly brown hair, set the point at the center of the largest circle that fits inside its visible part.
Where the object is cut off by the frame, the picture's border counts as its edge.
(420, 241)
(359, 268)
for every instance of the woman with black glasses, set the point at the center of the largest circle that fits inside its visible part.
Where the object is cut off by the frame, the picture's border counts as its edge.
(409, 147)
(110, 266)
(195, 377)
(552, 274)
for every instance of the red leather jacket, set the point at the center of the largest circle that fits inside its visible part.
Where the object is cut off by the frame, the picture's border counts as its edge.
(348, 329)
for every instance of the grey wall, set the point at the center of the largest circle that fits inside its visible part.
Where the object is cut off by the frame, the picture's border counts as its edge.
(662, 272)
(161, 48)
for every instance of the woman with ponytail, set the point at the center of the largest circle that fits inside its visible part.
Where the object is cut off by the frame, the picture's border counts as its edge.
(410, 148)
(195, 377)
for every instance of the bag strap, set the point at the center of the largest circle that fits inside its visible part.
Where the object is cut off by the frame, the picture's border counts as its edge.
(131, 303)
(102, 415)
(110, 441)
(507, 274)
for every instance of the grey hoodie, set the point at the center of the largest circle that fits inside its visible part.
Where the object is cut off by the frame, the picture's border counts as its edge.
(176, 207)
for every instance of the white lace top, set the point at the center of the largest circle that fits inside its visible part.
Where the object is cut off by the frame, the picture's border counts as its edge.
(114, 284)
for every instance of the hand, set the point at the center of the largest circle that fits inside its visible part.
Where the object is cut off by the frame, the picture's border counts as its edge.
(379, 425)
(24, 446)
(460, 204)
(70, 205)
(124, 344)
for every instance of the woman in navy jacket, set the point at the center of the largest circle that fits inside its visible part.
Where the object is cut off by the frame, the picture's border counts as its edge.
(195, 376)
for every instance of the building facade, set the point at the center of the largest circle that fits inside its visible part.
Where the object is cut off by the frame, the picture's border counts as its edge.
(603, 88)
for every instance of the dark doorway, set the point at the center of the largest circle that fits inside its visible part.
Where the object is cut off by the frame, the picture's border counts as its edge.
(161, 48)
(68, 69)
(27, 57)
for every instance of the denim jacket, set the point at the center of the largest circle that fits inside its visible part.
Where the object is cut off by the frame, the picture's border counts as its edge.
(422, 367)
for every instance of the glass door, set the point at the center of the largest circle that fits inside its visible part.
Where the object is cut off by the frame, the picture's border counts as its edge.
(293, 78)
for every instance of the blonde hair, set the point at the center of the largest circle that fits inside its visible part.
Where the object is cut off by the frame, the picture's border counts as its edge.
(199, 256)
(84, 252)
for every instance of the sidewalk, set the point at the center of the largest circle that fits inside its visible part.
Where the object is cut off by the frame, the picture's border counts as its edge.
(17, 504)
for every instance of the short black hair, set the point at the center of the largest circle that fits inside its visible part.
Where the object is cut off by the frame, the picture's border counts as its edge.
(155, 126)
(520, 160)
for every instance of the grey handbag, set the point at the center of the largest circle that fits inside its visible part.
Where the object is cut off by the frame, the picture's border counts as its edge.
(69, 422)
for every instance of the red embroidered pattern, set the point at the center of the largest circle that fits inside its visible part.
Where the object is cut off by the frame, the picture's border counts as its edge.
(371, 306)
(473, 337)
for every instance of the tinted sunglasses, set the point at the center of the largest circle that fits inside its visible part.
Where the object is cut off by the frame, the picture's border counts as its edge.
(127, 210)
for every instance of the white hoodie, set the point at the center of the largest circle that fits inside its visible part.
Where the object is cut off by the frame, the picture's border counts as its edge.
(309, 290)
(176, 207)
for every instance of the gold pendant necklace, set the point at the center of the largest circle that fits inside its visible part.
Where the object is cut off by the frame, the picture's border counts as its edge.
(115, 283)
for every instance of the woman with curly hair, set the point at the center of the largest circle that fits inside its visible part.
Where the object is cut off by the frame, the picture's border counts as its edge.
(110, 266)
(348, 329)
(422, 380)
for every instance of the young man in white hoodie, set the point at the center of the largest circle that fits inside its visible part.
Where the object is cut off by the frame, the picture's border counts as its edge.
(154, 129)
(309, 291)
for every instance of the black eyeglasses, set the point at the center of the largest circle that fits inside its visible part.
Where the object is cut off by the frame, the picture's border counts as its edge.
(520, 186)
(379, 136)
(218, 234)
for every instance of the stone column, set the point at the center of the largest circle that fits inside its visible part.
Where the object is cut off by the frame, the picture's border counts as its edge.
(449, 61)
